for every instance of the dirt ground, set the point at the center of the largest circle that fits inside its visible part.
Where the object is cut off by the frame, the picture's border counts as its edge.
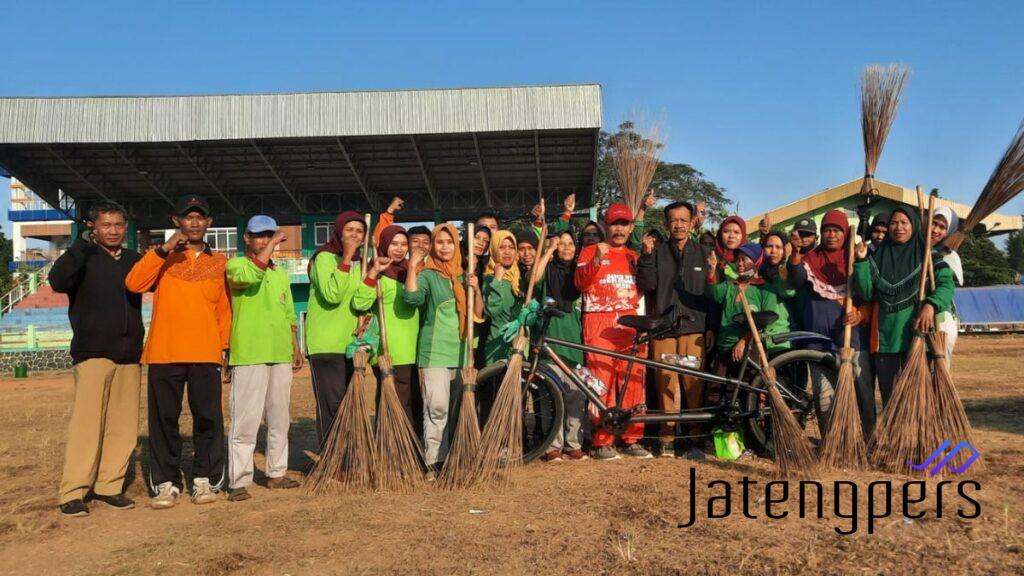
(580, 517)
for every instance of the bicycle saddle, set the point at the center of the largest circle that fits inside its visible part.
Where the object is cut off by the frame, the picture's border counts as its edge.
(646, 323)
(761, 319)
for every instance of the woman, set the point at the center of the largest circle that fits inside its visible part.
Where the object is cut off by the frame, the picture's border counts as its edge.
(773, 272)
(559, 265)
(503, 292)
(731, 235)
(591, 233)
(334, 274)
(436, 287)
(820, 276)
(943, 221)
(890, 279)
(389, 271)
(733, 336)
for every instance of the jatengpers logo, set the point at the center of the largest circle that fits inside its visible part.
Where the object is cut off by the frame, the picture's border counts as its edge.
(947, 458)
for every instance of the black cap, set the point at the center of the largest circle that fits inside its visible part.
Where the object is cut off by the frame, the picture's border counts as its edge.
(191, 202)
(805, 225)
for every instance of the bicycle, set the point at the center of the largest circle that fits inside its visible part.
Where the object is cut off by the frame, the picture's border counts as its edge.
(742, 403)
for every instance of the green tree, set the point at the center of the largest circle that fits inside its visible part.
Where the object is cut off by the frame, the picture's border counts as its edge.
(1015, 251)
(672, 181)
(984, 264)
(6, 256)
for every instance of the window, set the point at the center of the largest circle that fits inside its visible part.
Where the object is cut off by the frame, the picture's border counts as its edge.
(222, 239)
(322, 232)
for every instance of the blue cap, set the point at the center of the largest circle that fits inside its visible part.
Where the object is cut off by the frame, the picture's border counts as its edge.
(752, 251)
(261, 223)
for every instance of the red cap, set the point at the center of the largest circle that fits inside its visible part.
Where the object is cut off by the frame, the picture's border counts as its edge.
(618, 211)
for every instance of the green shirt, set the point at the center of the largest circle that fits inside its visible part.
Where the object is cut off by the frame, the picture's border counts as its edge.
(895, 330)
(400, 318)
(784, 293)
(330, 319)
(263, 314)
(439, 343)
(501, 306)
(726, 293)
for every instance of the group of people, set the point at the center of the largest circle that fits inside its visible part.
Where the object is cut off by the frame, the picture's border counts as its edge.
(216, 319)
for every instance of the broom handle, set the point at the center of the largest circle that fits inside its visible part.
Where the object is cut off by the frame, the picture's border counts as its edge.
(753, 330)
(469, 291)
(926, 232)
(380, 317)
(366, 246)
(535, 272)
(848, 305)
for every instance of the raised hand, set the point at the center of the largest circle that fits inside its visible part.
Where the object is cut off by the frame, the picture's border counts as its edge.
(860, 251)
(649, 200)
(569, 203)
(712, 260)
(648, 244)
(278, 237)
(380, 264)
(417, 256)
(764, 226)
(349, 247)
(176, 240)
(396, 205)
(601, 251)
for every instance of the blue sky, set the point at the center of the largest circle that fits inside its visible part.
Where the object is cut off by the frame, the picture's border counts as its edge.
(760, 96)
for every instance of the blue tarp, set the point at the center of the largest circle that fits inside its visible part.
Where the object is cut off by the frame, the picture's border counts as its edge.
(990, 305)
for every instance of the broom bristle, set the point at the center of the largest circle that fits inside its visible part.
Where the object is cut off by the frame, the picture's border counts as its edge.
(907, 430)
(347, 460)
(459, 469)
(635, 155)
(501, 442)
(880, 93)
(952, 420)
(1006, 181)
(793, 454)
(399, 454)
(844, 445)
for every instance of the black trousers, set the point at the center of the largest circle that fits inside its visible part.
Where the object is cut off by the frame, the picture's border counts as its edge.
(167, 383)
(407, 384)
(887, 369)
(330, 374)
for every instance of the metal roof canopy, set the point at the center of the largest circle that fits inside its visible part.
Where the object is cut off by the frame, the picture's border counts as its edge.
(459, 151)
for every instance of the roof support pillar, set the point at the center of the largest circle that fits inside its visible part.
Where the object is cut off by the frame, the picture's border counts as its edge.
(355, 172)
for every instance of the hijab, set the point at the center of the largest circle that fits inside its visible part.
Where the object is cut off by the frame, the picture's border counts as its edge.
(826, 269)
(580, 244)
(945, 253)
(334, 244)
(560, 281)
(398, 269)
(512, 273)
(896, 268)
(450, 270)
(768, 270)
(725, 254)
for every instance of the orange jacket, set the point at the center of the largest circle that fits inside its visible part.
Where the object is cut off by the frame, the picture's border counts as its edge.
(191, 320)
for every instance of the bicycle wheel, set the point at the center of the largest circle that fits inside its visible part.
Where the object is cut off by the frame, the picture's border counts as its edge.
(543, 407)
(793, 370)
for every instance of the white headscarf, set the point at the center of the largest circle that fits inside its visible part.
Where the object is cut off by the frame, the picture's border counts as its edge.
(951, 258)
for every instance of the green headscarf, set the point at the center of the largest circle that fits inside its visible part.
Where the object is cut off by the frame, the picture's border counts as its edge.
(896, 268)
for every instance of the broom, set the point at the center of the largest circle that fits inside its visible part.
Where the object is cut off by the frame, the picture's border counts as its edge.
(793, 453)
(952, 420)
(880, 92)
(907, 430)
(459, 467)
(636, 158)
(501, 442)
(399, 453)
(347, 460)
(1006, 181)
(843, 446)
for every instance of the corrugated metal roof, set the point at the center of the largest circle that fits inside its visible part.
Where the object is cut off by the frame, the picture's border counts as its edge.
(232, 117)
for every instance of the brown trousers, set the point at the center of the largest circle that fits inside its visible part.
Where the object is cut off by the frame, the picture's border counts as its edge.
(668, 382)
(103, 428)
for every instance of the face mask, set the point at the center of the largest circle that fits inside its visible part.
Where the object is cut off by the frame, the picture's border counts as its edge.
(745, 276)
(590, 238)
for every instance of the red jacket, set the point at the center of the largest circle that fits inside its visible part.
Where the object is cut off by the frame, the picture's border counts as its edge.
(611, 285)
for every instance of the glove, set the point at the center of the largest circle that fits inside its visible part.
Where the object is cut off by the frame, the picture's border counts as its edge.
(527, 317)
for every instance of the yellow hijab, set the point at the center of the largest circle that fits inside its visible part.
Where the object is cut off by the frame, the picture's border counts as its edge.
(512, 272)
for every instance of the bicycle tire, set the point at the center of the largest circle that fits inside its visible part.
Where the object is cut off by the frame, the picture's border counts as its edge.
(759, 428)
(543, 408)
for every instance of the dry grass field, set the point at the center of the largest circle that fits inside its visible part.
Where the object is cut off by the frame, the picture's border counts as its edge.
(583, 517)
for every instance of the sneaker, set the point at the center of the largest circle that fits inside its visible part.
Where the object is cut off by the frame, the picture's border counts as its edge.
(552, 456)
(238, 495)
(606, 453)
(576, 454)
(696, 454)
(202, 492)
(166, 496)
(74, 508)
(637, 451)
(118, 501)
(282, 483)
(668, 450)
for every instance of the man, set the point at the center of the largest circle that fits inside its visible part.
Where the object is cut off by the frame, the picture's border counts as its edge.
(879, 228)
(106, 323)
(419, 240)
(672, 273)
(488, 220)
(605, 276)
(804, 235)
(264, 352)
(188, 335)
